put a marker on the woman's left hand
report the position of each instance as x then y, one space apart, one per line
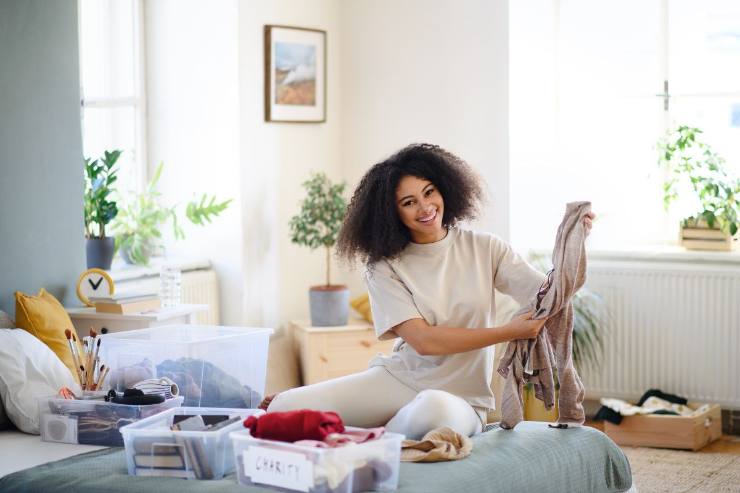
588 221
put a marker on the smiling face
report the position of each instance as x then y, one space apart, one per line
421 208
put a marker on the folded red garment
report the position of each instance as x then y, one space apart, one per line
291 426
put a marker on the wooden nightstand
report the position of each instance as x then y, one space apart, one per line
103 323
330 352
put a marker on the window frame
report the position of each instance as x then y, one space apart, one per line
137 102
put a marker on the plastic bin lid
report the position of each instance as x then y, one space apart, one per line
185 333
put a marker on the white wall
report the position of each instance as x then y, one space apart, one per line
433 71
205 89
275 159
193 127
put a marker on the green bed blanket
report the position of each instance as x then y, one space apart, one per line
530 458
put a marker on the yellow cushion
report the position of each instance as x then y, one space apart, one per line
45 318
361 304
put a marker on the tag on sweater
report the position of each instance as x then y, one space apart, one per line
278 468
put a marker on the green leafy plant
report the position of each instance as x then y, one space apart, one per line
100 209
693 162
322 211
139 224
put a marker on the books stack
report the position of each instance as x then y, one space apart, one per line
128 302
185 456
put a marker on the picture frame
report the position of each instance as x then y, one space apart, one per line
295 74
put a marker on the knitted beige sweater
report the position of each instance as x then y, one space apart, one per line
533 360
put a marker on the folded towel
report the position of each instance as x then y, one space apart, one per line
440 444
291 426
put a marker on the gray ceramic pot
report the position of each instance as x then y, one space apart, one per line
329 305
100 252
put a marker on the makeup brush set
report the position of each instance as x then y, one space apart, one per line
90 372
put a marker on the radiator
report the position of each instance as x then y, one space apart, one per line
674 326
198 286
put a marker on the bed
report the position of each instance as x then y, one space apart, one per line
530 458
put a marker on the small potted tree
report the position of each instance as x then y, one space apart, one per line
317 225
100 176
693 165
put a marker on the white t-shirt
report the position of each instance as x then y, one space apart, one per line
451 283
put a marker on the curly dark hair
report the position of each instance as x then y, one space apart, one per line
372 229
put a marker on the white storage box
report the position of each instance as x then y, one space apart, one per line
94 421
284 466
212 366
152 449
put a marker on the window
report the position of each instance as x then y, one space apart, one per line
112 80
587 89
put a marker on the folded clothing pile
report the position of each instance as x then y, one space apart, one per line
653 401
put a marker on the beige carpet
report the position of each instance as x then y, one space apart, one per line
675 471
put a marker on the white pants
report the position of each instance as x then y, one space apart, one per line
375 398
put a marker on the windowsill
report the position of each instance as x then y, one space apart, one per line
658 253
121 271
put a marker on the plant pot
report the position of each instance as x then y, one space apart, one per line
329 305
99 252
697 235
534 409
147 252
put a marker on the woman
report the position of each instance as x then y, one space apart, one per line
431 285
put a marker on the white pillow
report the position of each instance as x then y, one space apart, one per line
29 370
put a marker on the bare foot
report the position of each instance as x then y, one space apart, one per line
266 402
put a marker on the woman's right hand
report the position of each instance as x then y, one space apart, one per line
523 327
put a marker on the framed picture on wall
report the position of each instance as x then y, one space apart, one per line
295 74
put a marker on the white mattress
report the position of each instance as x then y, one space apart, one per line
20 450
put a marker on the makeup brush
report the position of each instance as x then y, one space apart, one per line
99 381
90 361
101 378
96 360
68 334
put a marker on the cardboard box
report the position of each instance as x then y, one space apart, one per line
664 431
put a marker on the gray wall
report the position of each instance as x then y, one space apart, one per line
41 174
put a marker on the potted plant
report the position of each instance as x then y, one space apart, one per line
693 165
140 220
100 175
317 225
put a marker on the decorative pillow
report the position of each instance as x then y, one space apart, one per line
361 304
44 317
28 370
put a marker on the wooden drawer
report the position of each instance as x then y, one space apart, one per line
330 352
663 431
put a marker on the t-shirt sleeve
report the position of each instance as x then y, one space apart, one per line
391 301
513 275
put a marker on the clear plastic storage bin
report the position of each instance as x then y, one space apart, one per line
152 449
212 366
285 466
92 421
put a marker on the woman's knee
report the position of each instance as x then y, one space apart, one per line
436 408
291 400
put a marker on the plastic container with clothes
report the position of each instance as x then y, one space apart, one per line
212 366
350 468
